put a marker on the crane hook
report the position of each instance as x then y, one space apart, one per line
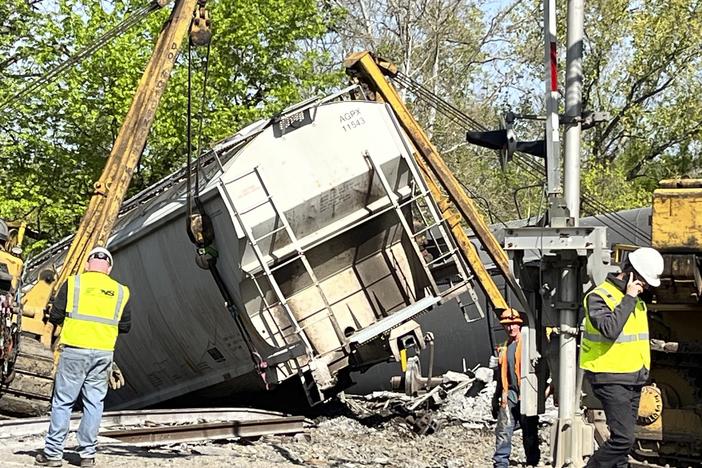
200 33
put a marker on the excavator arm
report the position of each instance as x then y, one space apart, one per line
27 386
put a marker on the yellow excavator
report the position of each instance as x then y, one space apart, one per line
669 426
26 359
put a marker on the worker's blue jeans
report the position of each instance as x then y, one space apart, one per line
81 372
508 420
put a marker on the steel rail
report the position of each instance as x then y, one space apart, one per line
21 427
213 430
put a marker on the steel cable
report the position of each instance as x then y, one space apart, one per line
615 218
96 45
466 121
530 166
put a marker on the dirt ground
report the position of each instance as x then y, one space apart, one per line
345 437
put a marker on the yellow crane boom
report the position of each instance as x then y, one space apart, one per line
111 187
455 205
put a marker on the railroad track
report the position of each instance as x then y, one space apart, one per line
215 430
179 425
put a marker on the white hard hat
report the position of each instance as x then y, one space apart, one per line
101 253
648 263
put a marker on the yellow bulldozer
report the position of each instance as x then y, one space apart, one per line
669 427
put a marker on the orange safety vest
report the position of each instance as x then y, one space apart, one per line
502 359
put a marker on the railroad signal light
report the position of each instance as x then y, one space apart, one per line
505 141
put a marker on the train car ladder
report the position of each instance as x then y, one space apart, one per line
268 270
429 225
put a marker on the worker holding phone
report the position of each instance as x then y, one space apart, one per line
615 351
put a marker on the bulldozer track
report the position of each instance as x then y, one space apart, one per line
29 391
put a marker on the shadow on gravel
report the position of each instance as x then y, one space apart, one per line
335 408
143 452
73 458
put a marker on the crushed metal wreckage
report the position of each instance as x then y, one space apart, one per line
459 396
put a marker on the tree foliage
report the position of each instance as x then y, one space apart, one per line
53 143
642 63
449 47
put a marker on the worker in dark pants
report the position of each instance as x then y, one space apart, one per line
505 402
92 307
615 351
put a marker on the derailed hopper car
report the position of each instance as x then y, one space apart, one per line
320 220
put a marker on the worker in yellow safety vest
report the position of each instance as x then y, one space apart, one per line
615 350
93 309
506 407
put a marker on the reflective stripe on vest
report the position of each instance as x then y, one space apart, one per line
630 351
75 313
622 338
94 307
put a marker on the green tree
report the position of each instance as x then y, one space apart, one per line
642 63
448 46
54 143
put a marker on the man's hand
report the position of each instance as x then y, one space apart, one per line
634 287
116 379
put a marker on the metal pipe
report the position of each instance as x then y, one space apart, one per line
573 106
569 388
553 160
567 358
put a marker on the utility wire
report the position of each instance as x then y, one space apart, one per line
96 45
454 114
459 116
463 119
615 219
614 224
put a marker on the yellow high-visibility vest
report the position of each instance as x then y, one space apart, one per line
629 352
93 310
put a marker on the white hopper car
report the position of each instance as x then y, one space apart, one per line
320 222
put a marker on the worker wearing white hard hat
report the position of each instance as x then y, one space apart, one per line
615 351
93 310
101 253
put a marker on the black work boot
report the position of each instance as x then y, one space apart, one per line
43 460
87 462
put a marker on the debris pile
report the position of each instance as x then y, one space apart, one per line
464 398
376 430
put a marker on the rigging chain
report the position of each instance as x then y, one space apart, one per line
198 224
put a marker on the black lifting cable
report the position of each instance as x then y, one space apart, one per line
457 115
460 117
198 151
256 358
93 47
617 220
